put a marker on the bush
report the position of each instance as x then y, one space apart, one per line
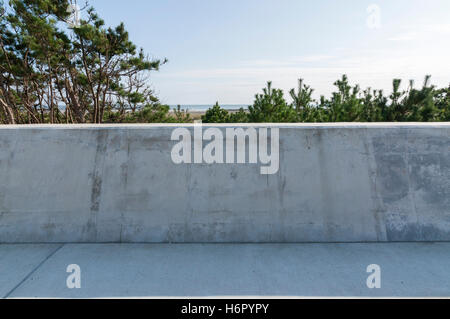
347 104
240 116
216 114
271 107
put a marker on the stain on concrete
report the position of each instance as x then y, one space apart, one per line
393 177
97 181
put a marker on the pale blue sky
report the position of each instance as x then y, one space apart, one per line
226 50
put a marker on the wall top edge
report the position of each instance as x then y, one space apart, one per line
279 125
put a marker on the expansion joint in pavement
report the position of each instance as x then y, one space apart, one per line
33 271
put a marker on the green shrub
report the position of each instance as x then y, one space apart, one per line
271 107
216 114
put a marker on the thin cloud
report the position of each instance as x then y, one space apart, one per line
293 61
410 36
423 31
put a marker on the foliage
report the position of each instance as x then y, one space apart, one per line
302 102
216 115
179 116
240 116
51 73
271 107
347 104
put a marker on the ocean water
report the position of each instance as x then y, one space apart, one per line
191 107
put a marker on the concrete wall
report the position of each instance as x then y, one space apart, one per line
336 183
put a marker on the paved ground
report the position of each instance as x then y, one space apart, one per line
414 270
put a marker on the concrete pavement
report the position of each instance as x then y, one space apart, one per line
196 270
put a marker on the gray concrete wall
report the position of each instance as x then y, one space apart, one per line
336 183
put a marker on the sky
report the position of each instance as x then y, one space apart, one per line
227 50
